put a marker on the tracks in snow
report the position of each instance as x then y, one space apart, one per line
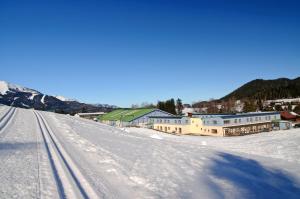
69 180
5 119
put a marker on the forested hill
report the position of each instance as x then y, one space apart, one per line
267 89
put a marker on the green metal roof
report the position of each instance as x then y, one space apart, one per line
126 115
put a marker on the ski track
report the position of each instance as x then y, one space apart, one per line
70 182
47 155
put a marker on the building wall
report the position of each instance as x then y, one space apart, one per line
145 121
238 120
192 126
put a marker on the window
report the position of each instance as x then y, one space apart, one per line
186 121
226 121
175 121
256 118
215 122
179 130
179 121
235 120
168 128
215 131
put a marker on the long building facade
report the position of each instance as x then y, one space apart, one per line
216 124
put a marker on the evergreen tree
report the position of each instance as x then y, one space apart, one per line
168 106
249 106
179 106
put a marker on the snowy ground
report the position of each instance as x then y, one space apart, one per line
47 155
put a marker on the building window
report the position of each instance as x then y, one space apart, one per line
215 122
179 130
168 128
226 121
175 121
179 121
235 120
186 121
240 120
215 131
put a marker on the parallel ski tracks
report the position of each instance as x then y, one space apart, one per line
5 120
69 180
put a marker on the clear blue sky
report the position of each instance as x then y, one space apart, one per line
125 52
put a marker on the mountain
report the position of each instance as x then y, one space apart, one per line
267 89
19 96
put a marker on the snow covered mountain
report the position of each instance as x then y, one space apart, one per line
19 96
64 99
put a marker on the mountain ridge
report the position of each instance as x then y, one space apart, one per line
267 89
23 97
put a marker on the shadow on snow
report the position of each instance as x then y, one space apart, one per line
17 146
251 179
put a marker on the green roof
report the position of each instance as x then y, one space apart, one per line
126 115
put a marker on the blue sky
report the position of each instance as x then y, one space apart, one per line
127 52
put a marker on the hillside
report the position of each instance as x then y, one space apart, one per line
267 89
22 97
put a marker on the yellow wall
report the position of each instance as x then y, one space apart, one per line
195 127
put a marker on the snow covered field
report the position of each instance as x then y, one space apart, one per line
47 155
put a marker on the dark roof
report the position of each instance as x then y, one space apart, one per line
167 117
249 115
215 114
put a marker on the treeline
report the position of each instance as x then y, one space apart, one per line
169 106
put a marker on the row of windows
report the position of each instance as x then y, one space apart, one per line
250 119
166 121
168 129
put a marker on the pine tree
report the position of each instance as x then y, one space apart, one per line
179 106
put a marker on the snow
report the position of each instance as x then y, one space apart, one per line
5 86
43 99
32 96
64 99
155 136
143 163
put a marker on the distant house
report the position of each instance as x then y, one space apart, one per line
216 124
91 116
131 117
